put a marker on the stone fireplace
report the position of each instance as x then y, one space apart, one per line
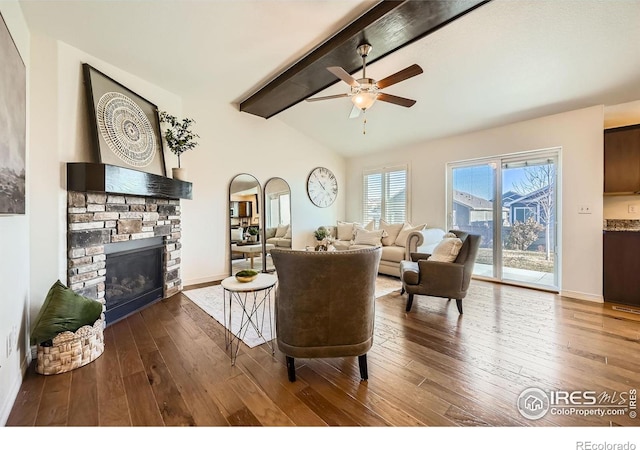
123 248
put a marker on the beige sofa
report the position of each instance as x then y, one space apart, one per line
392 253
278 236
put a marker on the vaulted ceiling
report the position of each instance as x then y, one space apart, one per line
504 62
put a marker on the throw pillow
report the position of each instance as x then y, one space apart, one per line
364 237
392 231
287 235
371 226
448 248
346 230
281 231
270 233
401 240
63 310
236 234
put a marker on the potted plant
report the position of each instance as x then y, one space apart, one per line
321 234
179 138
253 234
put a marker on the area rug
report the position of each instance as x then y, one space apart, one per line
210 300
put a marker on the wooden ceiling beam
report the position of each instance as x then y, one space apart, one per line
388 26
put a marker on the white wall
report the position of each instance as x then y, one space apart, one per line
578 133
14 253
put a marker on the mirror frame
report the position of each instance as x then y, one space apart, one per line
264 219
259 199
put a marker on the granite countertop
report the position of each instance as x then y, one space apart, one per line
621 225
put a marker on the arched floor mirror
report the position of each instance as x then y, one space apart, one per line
246 249
276 218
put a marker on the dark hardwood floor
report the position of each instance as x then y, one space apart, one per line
167 365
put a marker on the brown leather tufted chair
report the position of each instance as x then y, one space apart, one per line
325 304
441 279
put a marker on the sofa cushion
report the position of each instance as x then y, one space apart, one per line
371 226
287 235
393 253
364 237
283 242
346 230
401 240
447 250
281 231
63 310
342 245
392 230
236 234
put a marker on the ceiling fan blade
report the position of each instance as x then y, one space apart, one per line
407 102
355 112
326 98
397 77
343 75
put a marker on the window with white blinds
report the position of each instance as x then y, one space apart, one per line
385 195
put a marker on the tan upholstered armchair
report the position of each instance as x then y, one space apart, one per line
441 279
325 304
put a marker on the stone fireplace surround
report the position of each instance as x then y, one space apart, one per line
96 219
110 205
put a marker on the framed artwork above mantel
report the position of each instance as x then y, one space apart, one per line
125 127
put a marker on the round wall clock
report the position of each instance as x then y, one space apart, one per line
322 187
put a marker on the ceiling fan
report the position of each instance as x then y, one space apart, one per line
365 91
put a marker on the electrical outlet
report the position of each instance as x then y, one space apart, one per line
584 209
12 340
633 209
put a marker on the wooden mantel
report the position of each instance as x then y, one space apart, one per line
96 177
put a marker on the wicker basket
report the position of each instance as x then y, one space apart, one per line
71 350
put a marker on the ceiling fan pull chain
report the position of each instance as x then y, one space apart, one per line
364 126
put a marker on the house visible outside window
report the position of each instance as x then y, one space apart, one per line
522 213
385 195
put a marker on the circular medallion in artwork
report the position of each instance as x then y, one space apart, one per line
126 129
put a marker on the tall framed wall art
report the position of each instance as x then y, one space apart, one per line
125 127
13 125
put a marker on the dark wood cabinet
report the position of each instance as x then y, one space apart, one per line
622 267
622 160
240 209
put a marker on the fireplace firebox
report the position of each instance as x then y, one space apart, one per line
134 276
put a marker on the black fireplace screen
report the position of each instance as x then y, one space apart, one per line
133 280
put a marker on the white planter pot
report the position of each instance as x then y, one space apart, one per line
179 174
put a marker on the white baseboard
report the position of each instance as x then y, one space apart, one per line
582 296
209 279
13 392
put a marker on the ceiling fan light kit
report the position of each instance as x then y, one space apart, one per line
365 91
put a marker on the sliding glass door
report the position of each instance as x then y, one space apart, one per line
511 202
471 209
